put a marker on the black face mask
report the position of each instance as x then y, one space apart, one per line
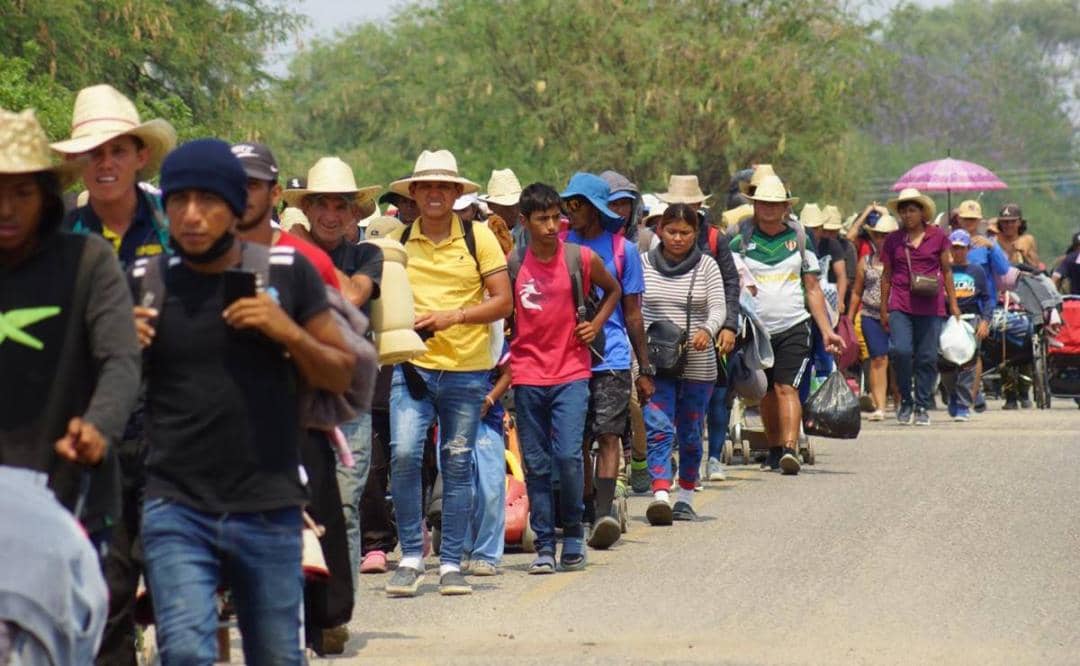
216 251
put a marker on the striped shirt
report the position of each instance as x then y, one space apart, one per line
665 298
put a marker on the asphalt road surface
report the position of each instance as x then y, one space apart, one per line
954 544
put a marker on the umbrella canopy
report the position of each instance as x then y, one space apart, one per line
949 175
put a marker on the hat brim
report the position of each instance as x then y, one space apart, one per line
620 195
600 205
502 199
792 201
295 197
157 135
672 199
928 205
402 186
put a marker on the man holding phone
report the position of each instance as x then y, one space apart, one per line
223 490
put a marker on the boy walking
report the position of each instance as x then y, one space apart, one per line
551 368
976 306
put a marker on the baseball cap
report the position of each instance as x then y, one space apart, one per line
1010 211
296 183
258 161
969 209
960 237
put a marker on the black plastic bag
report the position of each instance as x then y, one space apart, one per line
833 410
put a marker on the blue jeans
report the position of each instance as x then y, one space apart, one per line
677 409
189 552
913 350
718 419
351 482
454 399
486 536
551 423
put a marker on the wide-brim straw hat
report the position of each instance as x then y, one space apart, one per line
383 226
294 217
886 224
103 113
732 218
912 194
24 148
434 166
834 220
760 173
330 175
683 189
772 190
503 188
811 216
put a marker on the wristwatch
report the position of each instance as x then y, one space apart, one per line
647 370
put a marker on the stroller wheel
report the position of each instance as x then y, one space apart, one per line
728 452
746 453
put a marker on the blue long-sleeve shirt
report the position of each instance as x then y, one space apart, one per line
994 264
972 290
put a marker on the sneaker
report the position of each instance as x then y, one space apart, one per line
715 470
789 462
1010 404
453 583
640 481
922 417
333 641
961 414
980 404
683 511
482 568
904 414
466 565
659 513
876 415
373 563
772 461
1025 403
605 533
404 583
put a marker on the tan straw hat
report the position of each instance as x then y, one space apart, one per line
761 172
294 217
912 194
330 175
683 189
503 188
438 166
102 113
771 190
382 227
886 224
730 219
969 209
811 216
834 221
24 148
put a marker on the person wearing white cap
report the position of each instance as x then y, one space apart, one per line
115 150
467 207
451 266
788 299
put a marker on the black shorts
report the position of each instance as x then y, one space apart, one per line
609 403
791 349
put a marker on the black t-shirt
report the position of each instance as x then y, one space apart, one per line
837 249
363 258
223 423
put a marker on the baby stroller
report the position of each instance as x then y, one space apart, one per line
1063 353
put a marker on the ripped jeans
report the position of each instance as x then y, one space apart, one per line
454 400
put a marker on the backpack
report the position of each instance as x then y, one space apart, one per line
618 252
589 303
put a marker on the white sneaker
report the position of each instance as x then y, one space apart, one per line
715 470
876 415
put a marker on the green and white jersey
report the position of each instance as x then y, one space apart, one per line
778 268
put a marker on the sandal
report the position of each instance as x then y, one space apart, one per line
573 554
543 564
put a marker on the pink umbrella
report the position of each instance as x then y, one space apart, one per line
949 175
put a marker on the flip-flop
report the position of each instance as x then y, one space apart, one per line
543 564
573 554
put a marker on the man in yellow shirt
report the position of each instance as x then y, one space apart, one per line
451 266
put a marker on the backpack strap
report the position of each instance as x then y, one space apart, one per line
257 259
514 262
800 239
712 236
150 272
572 256
161 223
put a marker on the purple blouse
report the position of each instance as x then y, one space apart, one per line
925 259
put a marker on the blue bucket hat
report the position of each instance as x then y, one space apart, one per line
596 191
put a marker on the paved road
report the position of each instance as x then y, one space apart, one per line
958 543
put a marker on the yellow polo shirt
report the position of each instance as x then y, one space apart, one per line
443 277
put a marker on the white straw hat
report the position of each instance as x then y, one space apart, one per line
330 175
811 216
24 148
886 224
503 188
102 113
912 194
772 190
683 189
438 166
834 220
294 217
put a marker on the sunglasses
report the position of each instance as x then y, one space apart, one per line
575 204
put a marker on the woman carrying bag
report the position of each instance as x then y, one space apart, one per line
915 281
683 308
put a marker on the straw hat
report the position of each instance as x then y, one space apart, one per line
503 188
24 148
294 217
655 211
811 216
102 113
761 172
730 219
771 190
912 194
382 227
969 209
683 190
886 224
439 166
834 221
330 175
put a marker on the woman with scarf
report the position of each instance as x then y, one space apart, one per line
684 293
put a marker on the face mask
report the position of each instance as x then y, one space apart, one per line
216 251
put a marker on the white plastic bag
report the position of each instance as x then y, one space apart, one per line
957 342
